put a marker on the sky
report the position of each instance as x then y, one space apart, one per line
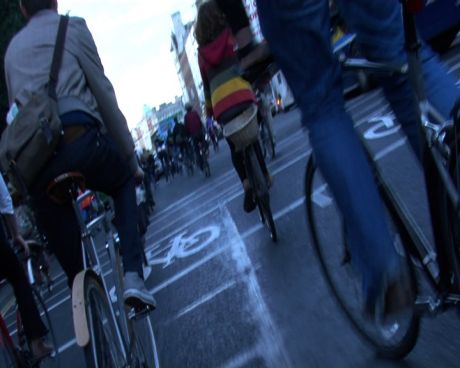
133 38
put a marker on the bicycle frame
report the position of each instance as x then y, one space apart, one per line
91 261
433 131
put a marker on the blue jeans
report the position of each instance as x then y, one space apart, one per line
97 157
298 32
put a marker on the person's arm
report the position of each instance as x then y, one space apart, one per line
6 209
206 88
104 93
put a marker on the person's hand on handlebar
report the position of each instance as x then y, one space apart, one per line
20 244
138 175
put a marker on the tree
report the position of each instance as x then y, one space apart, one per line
11 22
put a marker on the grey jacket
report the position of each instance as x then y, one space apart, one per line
82 84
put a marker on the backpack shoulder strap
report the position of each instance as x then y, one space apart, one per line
57 55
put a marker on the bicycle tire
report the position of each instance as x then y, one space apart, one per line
260 188
264 206
390 340
103 349
206 169
9 356
449 215
144 349
268 145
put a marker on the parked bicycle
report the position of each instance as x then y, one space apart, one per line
244 133
111 335
395 337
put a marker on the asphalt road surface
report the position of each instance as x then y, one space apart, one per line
230 297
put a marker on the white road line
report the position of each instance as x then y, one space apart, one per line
189 269
389 149
67 345
271 343
205 298
242 359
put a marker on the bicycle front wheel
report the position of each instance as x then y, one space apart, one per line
392 337
144 349
104 349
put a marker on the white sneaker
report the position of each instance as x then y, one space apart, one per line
136 294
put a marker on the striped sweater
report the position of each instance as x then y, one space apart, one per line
223 86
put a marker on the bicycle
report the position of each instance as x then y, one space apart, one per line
16 352
203 151
266 138
188 157
396 337
265 119
243 131
111 335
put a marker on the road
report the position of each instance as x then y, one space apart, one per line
230 297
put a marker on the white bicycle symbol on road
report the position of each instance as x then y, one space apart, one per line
182 246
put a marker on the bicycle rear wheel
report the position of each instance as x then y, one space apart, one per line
268 144
392 339
206 169
260 188
144 349
267 216
104 348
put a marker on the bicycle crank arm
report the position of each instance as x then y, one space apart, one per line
435 305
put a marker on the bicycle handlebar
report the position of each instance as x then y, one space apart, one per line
364 64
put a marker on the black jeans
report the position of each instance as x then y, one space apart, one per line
11 269
97 157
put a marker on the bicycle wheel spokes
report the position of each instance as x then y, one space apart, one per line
144 350
392 338
104 349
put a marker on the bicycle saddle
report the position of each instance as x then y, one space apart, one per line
65 187
261 73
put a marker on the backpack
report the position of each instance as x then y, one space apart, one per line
30 140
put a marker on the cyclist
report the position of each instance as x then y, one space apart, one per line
194 129
96 139
227 94
299 37
12 270
179 137
212 132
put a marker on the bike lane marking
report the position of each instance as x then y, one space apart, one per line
232 251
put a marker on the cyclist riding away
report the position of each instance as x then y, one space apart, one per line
96 139
195 130
227 94
12 270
